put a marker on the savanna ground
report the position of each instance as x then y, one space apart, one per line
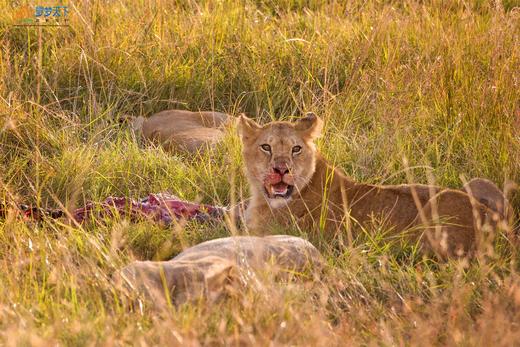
435 82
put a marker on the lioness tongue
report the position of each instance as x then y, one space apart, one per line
280 187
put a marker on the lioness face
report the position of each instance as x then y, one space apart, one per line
280 157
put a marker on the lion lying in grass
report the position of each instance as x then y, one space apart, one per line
209 269
291 183
179 130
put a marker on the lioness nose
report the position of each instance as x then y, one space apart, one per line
281 169
281 165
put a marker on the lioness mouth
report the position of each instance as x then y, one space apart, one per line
279 190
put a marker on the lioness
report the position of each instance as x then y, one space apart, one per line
291 182
205 270
180 130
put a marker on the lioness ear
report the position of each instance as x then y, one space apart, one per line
247 128
310 125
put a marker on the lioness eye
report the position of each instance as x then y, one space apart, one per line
266 148
297 149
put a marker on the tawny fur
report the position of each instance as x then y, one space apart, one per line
208 269
179 130
490 195
326 199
